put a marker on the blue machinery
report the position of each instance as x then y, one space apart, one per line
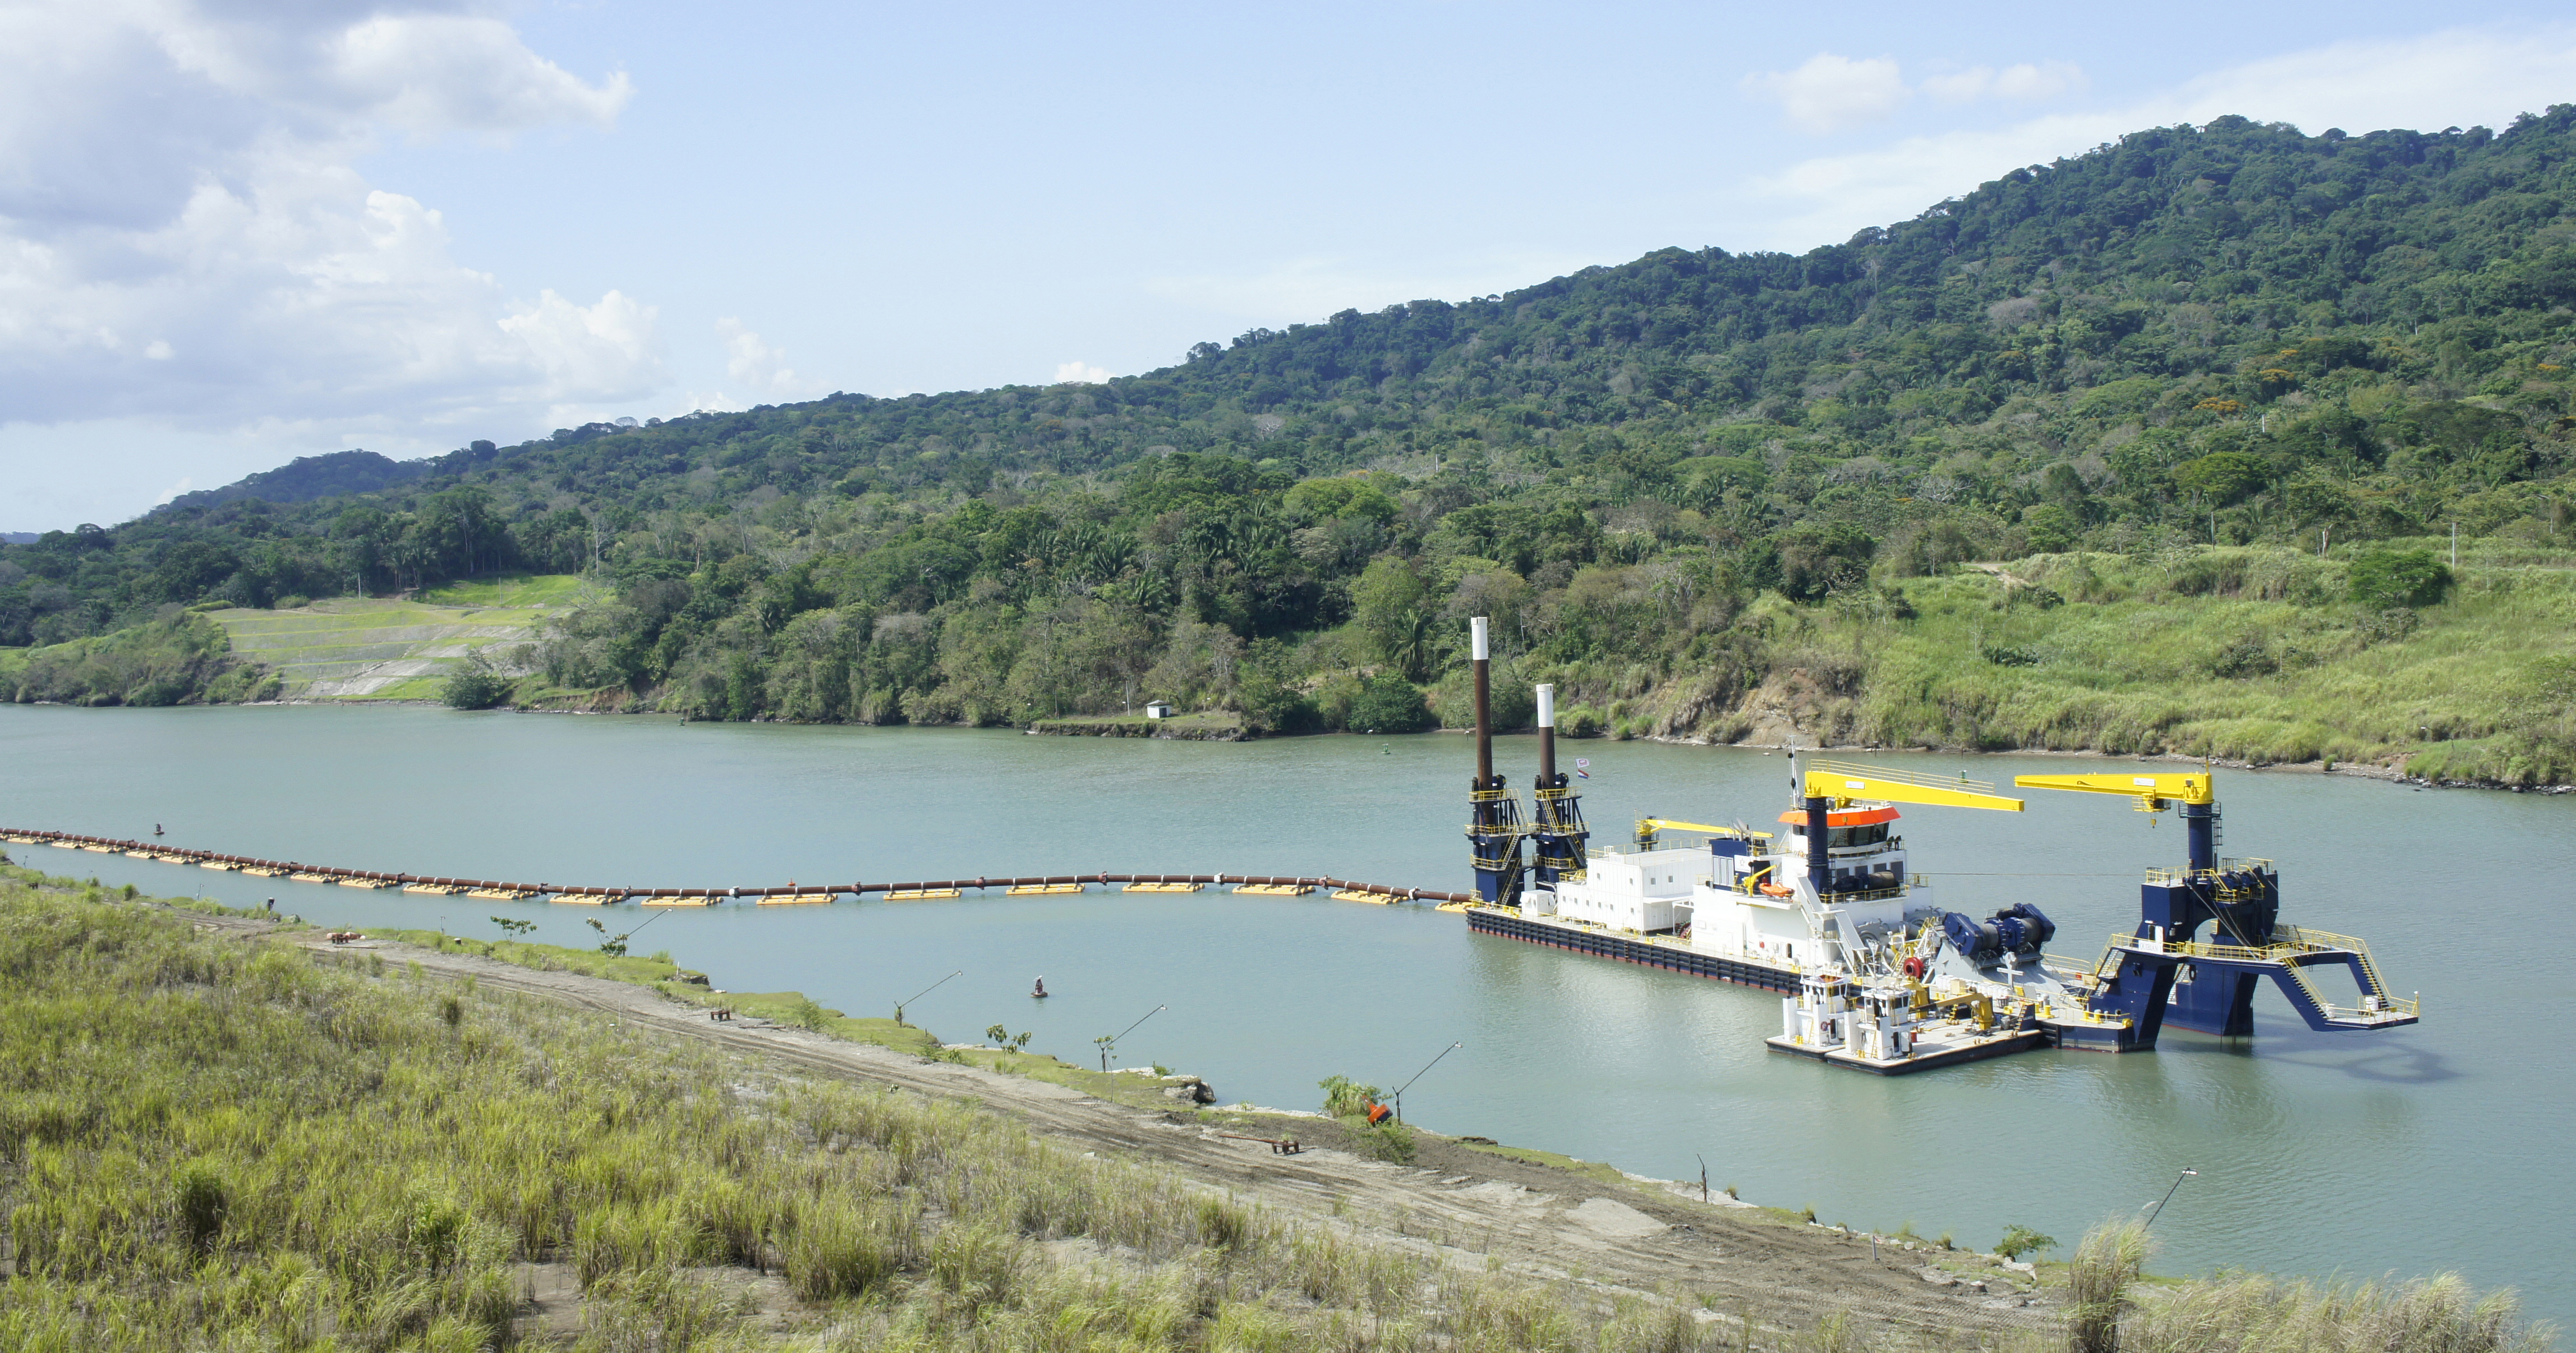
2165 973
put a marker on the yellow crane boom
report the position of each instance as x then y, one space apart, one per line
1844 782
2154 793
1648 826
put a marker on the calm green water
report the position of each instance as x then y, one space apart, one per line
2439 1146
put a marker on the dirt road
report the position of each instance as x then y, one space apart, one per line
1457 1204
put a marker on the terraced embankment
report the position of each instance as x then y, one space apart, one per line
350 648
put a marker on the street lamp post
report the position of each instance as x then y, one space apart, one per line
899 1005
1426 1070
1109 1044
2159 1209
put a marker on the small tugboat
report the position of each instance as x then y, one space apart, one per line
1871 973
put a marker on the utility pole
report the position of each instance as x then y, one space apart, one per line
1109 1042
2159 1209
899 1005
1426 1070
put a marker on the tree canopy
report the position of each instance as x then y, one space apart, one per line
2227 334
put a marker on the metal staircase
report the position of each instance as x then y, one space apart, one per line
2286 961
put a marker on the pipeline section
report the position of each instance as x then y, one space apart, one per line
816 892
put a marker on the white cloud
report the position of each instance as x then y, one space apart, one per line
588 353
2458 78
434 72
2027 81
184 236
754 363
1830 92
1079 373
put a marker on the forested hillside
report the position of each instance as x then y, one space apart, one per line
1670 481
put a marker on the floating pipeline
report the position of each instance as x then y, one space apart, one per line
502 890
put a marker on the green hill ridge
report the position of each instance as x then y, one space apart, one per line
2183 363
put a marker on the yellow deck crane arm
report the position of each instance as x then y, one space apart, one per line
1843 782
1647 826
2154 793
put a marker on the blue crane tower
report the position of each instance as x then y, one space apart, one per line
2166 973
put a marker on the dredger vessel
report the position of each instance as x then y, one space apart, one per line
1873 974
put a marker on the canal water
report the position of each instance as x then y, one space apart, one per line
2443 1146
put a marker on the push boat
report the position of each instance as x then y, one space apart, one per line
1872 974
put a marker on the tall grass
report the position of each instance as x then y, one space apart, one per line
2247 654
2255 1314
206 1144
214 1145
2107 1265
2110 1311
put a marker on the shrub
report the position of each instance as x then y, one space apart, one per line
2051 528
1344 1096
1390 1141
1388 703
2020 1240
2384 580
475 684
202 1201
1270 705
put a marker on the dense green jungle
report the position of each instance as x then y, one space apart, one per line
2224 440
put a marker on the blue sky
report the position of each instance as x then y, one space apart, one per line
231 234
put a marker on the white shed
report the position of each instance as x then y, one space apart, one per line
1158 709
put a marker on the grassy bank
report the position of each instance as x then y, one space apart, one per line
181 658
230 1146
796 1009
361 648
2253 655
1207 726
210 1143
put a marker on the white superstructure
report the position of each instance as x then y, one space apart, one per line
1743 894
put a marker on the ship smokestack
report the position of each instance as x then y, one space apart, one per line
1493 821
1820 860
1484 705
1556 826
1546 736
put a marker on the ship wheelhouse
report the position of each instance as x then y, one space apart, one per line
1864 851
